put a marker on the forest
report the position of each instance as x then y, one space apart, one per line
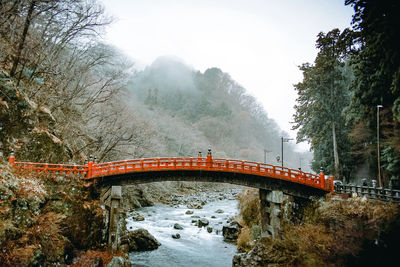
350 96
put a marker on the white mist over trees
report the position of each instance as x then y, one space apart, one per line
192 111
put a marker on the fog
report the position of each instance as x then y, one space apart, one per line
259 43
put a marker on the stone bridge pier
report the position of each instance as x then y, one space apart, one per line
111 198
270 210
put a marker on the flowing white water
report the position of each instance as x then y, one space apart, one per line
196 247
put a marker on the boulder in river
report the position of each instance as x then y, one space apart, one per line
231 231
189 212
116 262
195 206
140 240
219 211
202 222
209 229
177 226
176 236
137 217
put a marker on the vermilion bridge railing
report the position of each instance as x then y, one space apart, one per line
93 170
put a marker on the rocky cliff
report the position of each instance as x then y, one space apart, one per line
47 219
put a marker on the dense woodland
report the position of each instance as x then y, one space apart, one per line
66 95
355 71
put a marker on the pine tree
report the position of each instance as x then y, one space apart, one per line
323 94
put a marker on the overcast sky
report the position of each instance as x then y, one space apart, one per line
260 43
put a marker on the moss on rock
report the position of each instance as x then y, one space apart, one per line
45 217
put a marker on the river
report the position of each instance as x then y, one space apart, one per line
196 247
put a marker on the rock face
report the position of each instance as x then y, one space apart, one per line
140 240
34 202
136 196
231 231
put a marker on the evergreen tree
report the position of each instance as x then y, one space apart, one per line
323 94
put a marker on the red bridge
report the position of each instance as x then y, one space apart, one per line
253 174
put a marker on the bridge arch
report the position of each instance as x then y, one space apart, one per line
242 179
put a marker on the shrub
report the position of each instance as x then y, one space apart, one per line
244 240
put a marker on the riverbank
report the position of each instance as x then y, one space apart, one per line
336 231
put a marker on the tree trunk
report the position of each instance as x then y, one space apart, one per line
335 152
23 37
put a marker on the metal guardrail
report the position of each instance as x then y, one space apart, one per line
385 194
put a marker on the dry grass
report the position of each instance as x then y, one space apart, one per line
249 216
249 207
244 242
95 258
338 232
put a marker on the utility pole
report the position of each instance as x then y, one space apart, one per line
265 155
283 140
378 148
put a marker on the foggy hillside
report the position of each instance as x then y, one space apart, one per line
192 111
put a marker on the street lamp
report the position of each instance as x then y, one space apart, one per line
377 145
283 140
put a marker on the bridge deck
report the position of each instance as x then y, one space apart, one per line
94 171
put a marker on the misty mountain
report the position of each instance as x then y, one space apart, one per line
191 109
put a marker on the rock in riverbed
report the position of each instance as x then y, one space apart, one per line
231 231
116 262
177 226
140 240
202 222
195 206
176 236
137 217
